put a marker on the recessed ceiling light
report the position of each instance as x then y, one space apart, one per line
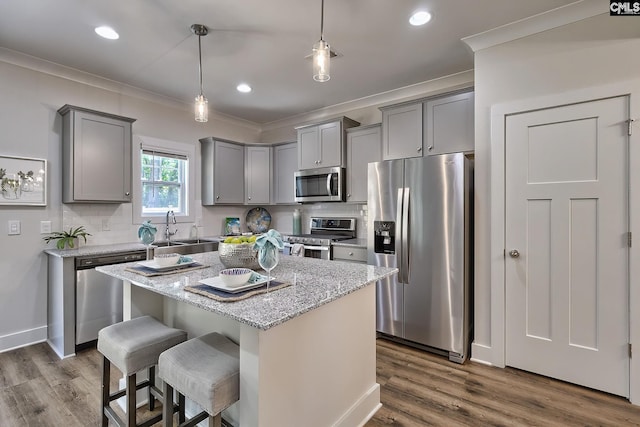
107 33
244 88
420 18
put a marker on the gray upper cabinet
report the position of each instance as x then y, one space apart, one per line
257 175
402 131
96 156
222 172
364 145
448 124
322 145
285 164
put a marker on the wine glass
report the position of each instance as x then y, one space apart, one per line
268 257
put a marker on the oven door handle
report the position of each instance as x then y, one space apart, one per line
312 248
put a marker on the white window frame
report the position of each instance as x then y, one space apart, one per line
181 149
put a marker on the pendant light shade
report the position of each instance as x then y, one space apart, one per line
321 54
202 109
321 61
201 105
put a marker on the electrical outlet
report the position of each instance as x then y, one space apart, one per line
105 225
14 227
45 227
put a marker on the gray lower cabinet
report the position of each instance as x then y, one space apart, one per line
350 253
285 164
363 146
448 124
96 156
257 175
222 172
402 131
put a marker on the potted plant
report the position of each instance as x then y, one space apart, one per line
67 238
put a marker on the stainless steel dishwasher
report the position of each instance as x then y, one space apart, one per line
98 296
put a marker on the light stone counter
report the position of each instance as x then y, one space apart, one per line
92 250
307 355
317 283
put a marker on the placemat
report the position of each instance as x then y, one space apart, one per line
146 271
223 296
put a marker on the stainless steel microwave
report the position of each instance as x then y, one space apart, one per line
320 185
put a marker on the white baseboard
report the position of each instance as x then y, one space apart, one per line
23 338
482 354
361 411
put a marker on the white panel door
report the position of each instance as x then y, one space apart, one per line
567 297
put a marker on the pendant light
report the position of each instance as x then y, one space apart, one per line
201 106
321 54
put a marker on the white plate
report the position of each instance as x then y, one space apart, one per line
217 283
152 264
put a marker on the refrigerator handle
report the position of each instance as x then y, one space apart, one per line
405 237
399 221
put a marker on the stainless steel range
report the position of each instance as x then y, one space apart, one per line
324 231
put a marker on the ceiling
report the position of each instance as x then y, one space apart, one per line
263 43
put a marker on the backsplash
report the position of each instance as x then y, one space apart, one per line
111 224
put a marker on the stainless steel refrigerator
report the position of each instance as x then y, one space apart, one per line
419 221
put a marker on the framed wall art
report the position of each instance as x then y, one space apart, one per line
23 181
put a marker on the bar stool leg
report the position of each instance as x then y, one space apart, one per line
131 400
106 378
215 420
167 407
181 416
152 383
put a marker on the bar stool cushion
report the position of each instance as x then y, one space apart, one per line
135 344
204 369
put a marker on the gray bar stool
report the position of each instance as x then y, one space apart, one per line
204 369
132 346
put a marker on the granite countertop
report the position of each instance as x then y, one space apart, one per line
90 250
318 282
359 243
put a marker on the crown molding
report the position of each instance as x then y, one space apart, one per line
444 84
51 68
554 18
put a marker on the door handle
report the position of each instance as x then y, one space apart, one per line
406 249
513 253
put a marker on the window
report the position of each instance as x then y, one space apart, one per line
164 186
164 178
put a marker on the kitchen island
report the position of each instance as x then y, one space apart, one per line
307 355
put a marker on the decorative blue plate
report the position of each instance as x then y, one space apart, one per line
258 220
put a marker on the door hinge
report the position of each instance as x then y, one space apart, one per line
629 238
629 350
630 125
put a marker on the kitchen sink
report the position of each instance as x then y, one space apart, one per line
184 247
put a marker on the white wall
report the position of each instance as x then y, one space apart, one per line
589 53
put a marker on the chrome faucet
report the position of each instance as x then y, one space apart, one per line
168 233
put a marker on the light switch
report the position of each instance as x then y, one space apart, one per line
14 227
45 227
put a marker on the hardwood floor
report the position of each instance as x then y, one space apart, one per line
417 389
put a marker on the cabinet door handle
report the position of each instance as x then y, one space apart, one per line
430 147
419 149
249 197
217 197
348 195
127 194
350 253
